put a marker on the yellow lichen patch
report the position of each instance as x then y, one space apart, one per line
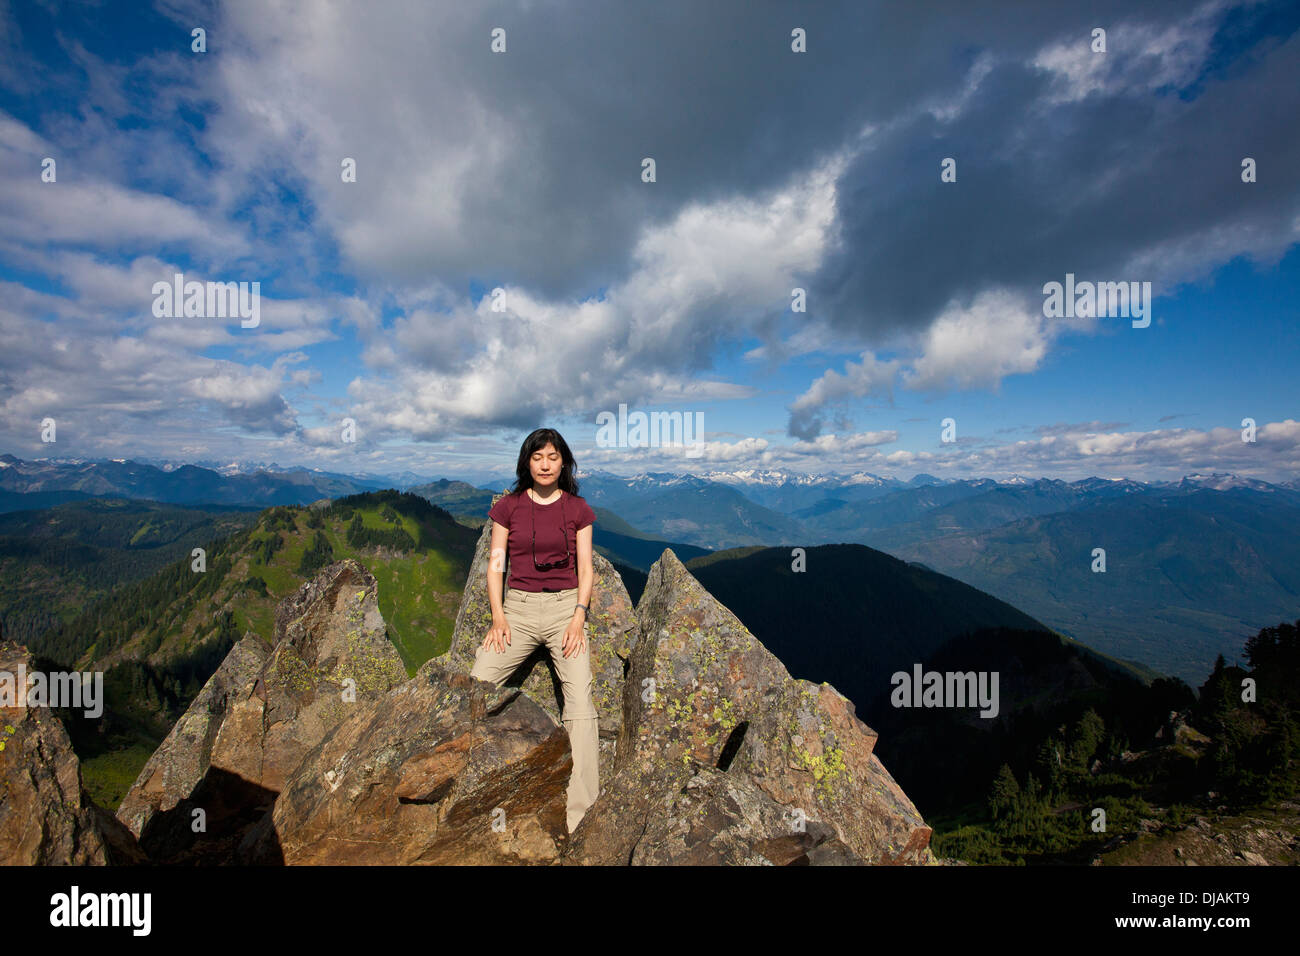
677 710
373 672
701 709
334 710
825 768
290 672
723 713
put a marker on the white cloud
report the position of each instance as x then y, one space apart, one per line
1139 58
644 341
999 334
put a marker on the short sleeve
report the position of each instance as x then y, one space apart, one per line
585 515
500 512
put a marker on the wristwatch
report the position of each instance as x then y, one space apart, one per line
585 610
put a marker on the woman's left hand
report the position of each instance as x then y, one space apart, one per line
575 636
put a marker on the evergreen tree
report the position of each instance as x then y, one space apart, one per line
317 555
1085 738
1048 761
1004 792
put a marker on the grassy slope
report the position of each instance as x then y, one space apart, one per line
419 592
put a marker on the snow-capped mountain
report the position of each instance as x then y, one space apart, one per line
1109 486
774 478
1223 481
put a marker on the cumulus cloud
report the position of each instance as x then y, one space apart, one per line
104 387
695 282
869 377
999 334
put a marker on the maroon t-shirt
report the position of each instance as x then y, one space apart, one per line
518 513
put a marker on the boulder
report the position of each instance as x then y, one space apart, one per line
258 715
443 769
715 818
182 759
47 818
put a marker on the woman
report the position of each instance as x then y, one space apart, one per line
548 597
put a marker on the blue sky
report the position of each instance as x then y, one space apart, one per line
775 169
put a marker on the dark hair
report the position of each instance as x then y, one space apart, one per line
535 442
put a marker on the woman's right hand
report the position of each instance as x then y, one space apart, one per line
498 636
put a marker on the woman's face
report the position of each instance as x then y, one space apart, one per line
545 465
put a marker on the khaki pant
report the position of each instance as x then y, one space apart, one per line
540 617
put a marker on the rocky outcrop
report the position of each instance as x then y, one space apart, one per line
182 760
259 714
46 816
444 769
330 652
714 818
1255 837
702 692
711 752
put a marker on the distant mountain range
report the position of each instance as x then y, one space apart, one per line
49 482
232 468
1190 572
787 494
1194 566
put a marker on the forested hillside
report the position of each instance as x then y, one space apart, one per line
159 639
1154 758
54 562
